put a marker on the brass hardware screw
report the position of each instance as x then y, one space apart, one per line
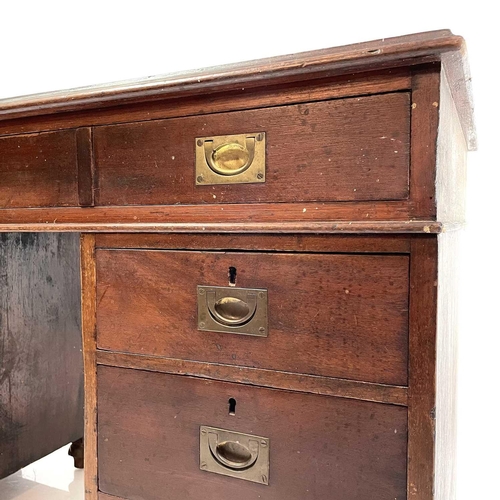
259 137
200 143
202 325
261 295
203 465
264 478
263 443
260 175
203 431
201 291
262 329
200 178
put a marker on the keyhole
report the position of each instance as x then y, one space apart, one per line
232 276
232 406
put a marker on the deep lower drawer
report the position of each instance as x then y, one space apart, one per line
327 314
340 150
316 447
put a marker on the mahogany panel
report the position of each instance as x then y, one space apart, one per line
148 443
338 150
39 170
329 314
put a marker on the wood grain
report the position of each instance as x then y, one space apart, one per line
88 276
331 315
451 160
379 243
424 126
379 54
313 384
339 150
422 368
149 423
320 89
446 369
41 372
86 167
38 170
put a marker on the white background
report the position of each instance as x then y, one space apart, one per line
49 45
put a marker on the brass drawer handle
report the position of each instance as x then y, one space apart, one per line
232 310
234 454
231 158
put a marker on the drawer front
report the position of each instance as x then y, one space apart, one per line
327 314
338 150
38 170
319 447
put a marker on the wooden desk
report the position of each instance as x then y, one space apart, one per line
267 268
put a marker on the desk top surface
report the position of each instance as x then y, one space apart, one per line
395 52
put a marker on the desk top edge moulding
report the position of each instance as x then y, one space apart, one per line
76 195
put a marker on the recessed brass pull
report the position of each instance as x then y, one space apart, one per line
231 159
233 310
234 454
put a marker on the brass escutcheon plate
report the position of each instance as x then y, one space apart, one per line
231 159
232 310
234 454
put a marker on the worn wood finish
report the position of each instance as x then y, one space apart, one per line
325 386
422 368
38 170
264 242
85 156
332 315
343 150
88 278
451 160
149 423
446 369
388 53
424 124
41 379
321 89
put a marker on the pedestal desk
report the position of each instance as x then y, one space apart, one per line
267 262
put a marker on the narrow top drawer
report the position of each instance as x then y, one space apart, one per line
350 149
39 170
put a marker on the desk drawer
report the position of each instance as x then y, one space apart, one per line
327 314
38 170
339 150
326 447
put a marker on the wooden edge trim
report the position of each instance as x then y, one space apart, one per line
88 276
259 377
333 227
85 166
406 50
422 368
425 97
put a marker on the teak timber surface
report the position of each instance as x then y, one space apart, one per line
149 423
391 52
346 315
